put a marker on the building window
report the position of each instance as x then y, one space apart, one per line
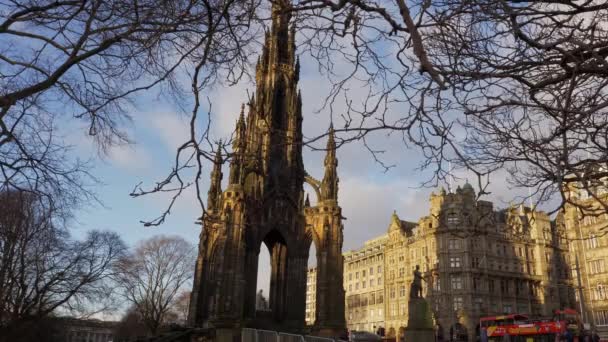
437 284
491 285
599 292
504 286
356 286
357 275
597 266
475 262
371 271
363 284
402 291
453 218
371 283
402 309
601 317
363 274
456 283
379 269
454 244
379 281
458 303
507 308
350 276
475 283
392 292
455 262
591 241
478 302
401 272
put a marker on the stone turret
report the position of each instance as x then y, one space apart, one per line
329 187
214 194
239 146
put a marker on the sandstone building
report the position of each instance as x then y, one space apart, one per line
476 261
311 296
586 223
364 285
264 204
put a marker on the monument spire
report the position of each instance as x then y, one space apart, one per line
215 188
238 147
329 187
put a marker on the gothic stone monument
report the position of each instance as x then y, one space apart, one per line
420 319
264 204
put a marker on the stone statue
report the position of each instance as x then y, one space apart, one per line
260 303
416 287
420 326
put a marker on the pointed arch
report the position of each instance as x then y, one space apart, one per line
311 236
315 184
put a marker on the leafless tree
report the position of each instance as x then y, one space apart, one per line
64 64
153 276
487 86
181 307
43 270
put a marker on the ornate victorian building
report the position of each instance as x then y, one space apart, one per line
264 203
476 262
311 296
364 285
586 222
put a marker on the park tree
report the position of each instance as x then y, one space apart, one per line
181 307
153 276
45 272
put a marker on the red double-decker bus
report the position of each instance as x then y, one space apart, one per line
520 328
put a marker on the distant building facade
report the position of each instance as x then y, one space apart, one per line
364 286
311 296
476 261
586 222
85 330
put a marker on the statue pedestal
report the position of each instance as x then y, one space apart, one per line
420 322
